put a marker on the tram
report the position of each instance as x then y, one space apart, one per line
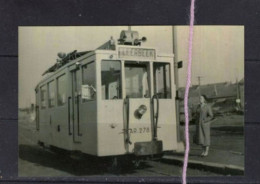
116 100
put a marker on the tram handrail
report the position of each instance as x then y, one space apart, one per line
155 115
37 118
78 119
69 99
126 103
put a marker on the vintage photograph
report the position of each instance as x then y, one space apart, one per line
108 101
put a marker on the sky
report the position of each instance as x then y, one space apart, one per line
218 51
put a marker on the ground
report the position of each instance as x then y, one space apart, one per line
227 133
37 161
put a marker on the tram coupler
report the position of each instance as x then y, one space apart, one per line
148 148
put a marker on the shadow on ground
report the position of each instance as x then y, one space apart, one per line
230 129
87 165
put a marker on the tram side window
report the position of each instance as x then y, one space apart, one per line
51 93
43 93
61 90
89 81
111 80
162 84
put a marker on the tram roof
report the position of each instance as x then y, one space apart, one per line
127 38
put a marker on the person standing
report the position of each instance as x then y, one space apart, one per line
205 117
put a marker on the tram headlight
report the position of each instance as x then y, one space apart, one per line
140 111
144 39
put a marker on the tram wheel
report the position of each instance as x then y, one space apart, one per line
137 163
114 162
114 166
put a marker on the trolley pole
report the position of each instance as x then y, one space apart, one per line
199 79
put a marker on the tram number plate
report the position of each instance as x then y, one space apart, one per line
139 130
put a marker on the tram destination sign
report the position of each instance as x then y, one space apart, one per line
136 53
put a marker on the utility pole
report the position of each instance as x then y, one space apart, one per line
238 100
216 91
199 79
176 78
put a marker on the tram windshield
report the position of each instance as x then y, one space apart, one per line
136 80
111 79
162 84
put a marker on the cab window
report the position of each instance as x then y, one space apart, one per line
61 90
137 79
51 93
88 82
162 84
111 80
43 93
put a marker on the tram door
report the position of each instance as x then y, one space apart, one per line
137 87
75 105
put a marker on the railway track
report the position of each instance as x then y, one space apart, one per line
45 161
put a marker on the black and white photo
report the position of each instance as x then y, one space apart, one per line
108 101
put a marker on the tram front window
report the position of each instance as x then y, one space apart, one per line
136 80
162 84
111 79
